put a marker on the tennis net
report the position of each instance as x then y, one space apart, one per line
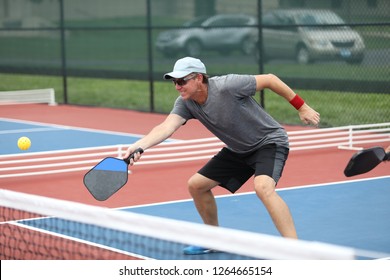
46 95
36 227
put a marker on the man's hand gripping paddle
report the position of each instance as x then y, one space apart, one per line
365 160
108 176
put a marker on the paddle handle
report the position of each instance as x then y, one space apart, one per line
127 160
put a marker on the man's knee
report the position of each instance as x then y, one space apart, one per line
192 183
264 187
198 183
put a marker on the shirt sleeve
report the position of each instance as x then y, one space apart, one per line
241 85
179 108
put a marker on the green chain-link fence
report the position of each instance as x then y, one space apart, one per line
335 53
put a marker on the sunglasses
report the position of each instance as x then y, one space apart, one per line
183 81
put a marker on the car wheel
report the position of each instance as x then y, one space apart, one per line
193 48
303 56
248 46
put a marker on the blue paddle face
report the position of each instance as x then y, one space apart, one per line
112 164
106 178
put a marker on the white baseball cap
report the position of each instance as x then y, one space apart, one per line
185 66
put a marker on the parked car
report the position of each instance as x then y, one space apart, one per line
223 33
284 36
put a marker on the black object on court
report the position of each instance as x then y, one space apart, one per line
364 161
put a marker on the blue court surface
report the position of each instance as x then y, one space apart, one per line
46 137
353 214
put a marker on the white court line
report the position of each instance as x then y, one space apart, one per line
34 123
77 128
28 130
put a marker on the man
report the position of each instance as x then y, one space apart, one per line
256 144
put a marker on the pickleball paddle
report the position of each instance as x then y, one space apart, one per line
364 161
108 176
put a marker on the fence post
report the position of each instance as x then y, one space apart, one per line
63 53
150 53
259 46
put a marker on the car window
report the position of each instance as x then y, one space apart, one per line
230 21
270 19
329 18
318 18
307 19
279 21
242 21
218 22
196 22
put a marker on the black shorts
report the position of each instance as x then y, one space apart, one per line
231 170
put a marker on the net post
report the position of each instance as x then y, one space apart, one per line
52 97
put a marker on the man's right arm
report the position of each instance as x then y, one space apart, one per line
158 134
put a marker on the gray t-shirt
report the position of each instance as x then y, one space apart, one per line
232 115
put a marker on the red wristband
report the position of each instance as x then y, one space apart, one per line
297 102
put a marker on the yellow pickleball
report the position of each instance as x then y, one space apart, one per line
24 143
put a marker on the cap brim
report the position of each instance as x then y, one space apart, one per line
176 75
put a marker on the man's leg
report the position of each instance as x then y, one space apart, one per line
277 208
200 189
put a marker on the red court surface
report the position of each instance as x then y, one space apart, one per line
160 183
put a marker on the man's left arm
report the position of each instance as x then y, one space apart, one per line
307 114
